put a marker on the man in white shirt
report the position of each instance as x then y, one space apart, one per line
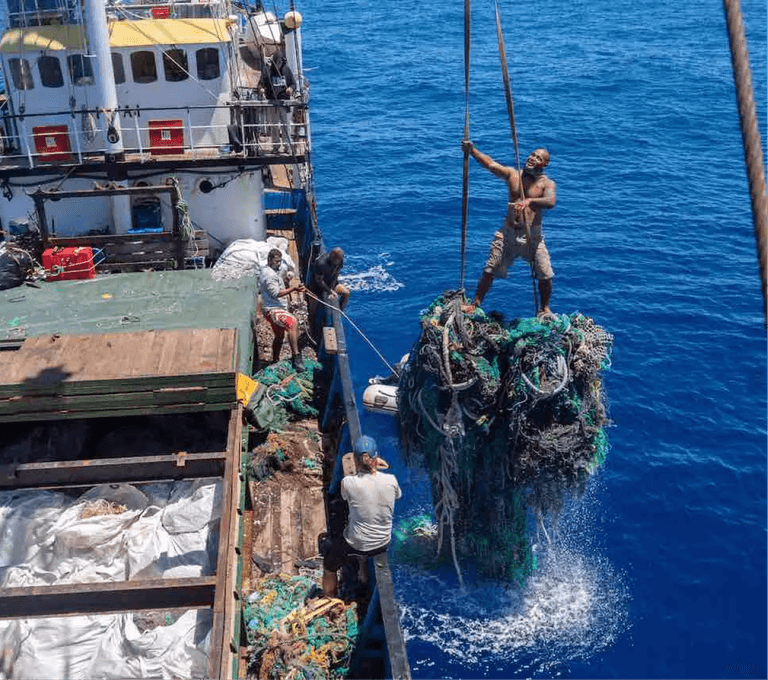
371 497
274 305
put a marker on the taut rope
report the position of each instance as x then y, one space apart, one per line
750 135
465 175
513 131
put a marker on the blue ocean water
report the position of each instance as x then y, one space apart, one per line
660 571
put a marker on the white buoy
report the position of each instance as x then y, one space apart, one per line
292 20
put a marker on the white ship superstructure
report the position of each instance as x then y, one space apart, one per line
151 118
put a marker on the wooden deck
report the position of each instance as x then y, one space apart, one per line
74 376
129 303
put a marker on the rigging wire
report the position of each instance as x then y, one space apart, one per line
750 136
465 168
363 335
513 132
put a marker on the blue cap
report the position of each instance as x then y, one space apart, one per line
366 445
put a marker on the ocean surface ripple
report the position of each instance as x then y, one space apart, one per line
660 571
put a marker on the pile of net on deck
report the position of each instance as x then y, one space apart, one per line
505 417
294 633
282 395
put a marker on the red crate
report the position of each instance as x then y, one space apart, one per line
166 137
65 264
52 142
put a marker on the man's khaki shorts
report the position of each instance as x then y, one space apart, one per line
508 244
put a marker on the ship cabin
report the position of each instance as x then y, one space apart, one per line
192 118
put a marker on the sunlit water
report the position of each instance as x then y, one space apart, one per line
665 574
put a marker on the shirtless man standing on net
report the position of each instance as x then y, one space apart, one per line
521 235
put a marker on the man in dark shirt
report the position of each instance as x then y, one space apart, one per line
324 279
277 81
278 84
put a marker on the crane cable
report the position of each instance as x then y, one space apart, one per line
750 135
465 176
513 131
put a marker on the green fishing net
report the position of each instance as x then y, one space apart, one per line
507 418
294 632
287 395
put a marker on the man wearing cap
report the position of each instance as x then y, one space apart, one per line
371 497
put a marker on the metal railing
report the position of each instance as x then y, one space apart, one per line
240 129
27 13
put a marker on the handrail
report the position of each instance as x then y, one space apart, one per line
257 128
130 111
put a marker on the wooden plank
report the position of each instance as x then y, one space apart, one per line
390 614
102 240
144 411
138 384
289 509
102 598
107 402
217 659
127 267
177 360
102 470
312 511
207 351
231 580
75 362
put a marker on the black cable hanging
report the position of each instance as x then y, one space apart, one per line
513 131
750 136
465 187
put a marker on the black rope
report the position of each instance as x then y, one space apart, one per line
465 176
513 131
508 92
750 136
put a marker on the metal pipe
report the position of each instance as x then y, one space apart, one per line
98 39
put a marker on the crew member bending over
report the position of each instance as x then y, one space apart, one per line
521 234
371 496
324 278
274 294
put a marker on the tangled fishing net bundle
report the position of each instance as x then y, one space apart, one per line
505 418
295 634
287 395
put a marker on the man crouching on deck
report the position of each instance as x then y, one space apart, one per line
371 496
275 307
521 235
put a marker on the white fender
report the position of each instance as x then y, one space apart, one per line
381 399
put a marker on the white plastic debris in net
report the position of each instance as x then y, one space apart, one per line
163 530
245 257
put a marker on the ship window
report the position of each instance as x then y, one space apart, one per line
80 69
143 67
117 68
208 63
175 65
21 74
50 71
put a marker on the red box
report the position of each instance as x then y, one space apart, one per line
52 142
166 137
64 264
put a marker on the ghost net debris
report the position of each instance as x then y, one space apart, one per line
505 418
